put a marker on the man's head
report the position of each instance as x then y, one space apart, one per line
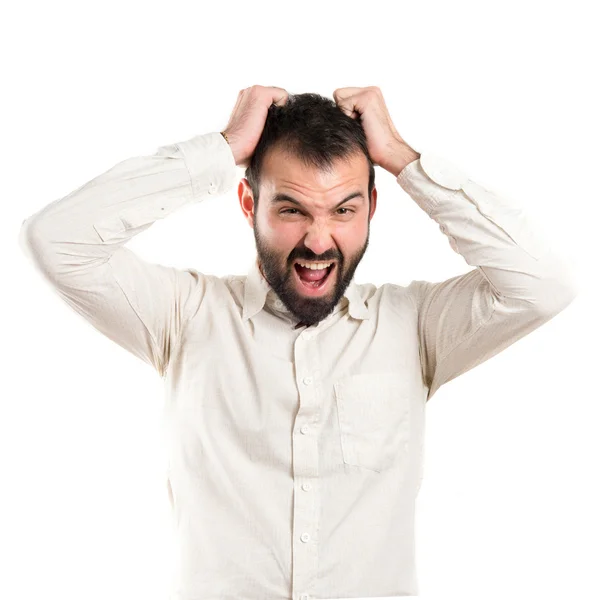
310 151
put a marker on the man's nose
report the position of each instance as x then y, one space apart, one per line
318 239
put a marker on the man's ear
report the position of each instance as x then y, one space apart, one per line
373 202
246 200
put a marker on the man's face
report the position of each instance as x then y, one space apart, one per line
315 229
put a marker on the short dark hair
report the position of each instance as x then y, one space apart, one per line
314 129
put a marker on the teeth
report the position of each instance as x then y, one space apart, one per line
314 266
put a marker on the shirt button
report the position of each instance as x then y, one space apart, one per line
306 486
305 537
212 188
304 428
307 380
304 597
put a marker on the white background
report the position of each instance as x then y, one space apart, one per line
506 91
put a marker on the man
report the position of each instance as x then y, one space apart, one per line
296 397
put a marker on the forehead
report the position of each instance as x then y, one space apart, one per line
283 171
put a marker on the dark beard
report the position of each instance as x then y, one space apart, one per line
308 311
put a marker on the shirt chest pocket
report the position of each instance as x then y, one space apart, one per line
374 419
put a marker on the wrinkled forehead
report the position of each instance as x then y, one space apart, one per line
284 170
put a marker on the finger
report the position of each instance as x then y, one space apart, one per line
348 106
343 93
349 99
347 110
279 95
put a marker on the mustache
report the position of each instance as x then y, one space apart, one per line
317 258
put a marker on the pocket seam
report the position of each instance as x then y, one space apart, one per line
348 438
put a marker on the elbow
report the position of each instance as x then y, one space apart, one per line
33 240
558 291
27 235
30 238
557 299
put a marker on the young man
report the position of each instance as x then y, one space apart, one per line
295 397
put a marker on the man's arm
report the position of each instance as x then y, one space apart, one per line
77 244
518 283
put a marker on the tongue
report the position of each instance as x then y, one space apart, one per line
311 274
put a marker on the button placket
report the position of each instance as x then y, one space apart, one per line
306 466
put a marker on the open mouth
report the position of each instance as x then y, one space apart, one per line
313 279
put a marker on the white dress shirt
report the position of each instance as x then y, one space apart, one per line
295 454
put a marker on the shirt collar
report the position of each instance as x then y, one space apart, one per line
258 292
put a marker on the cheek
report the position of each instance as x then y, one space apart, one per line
282 233
282 238
350 236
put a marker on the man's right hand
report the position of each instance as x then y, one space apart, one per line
248 118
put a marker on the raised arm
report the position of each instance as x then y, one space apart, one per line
518 283
77 243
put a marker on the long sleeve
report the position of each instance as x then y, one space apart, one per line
77 243
518 283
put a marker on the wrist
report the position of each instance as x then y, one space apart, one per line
233 148
401 156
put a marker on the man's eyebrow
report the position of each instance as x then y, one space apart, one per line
281 197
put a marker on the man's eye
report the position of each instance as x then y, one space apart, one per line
287 210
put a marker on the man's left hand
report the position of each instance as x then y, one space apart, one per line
386 147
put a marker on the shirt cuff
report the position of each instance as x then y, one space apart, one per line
210 163
435 184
